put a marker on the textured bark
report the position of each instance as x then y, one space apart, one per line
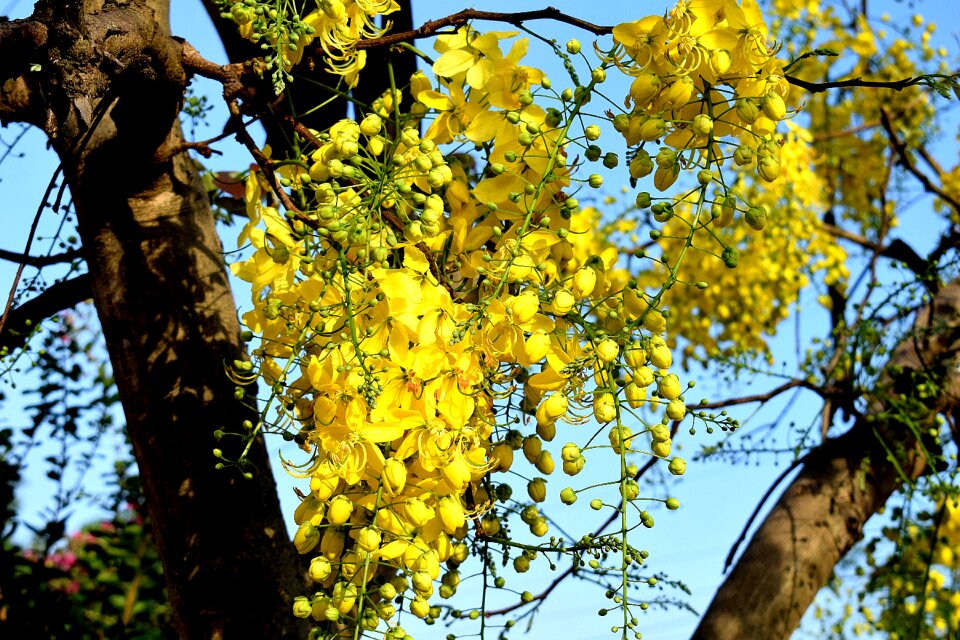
160 287
821 514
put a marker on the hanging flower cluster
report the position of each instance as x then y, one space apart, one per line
425 313
336 25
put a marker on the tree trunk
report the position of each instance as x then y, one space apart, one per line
821 514
161 291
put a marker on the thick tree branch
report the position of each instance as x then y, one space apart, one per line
842 483
19 42
23 319
462 17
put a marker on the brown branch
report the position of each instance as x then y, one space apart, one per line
820 87
26 250
462 17
896 250
265 164
202 147
231 76
758 397
19 39
55 298
900 147
821 514
40 261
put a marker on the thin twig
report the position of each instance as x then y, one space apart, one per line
759 397
462 17
901 148
820 87
26 250
573 567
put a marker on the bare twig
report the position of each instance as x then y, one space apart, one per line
462 17
758 397
40 261
26 250
266 166
820 87
901 149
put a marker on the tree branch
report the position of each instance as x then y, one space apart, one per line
821 515
18 40
900 147
462 17
758 397
897 250
820 87
40 261
23 319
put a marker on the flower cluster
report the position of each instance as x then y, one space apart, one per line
336 25
426 313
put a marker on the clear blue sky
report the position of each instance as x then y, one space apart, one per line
690 544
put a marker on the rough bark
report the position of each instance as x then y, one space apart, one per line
821 514
160 287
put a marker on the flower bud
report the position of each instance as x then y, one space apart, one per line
660 355
568 496
743 155
584 281
661 448
607 350
702 125
676 409
368 539
747 110
768 168
563 302
537 489
640 167
756 217
773 106
653 128
573 46
570 452
532 446
545 464
341 507
525 306
306 538
555 405
669 387
660 433
635 356
302 607
619 437
540 527
371 125
320 569
591 132
644 87
419 607
629 489
635 395
573 467
604 407
678 466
